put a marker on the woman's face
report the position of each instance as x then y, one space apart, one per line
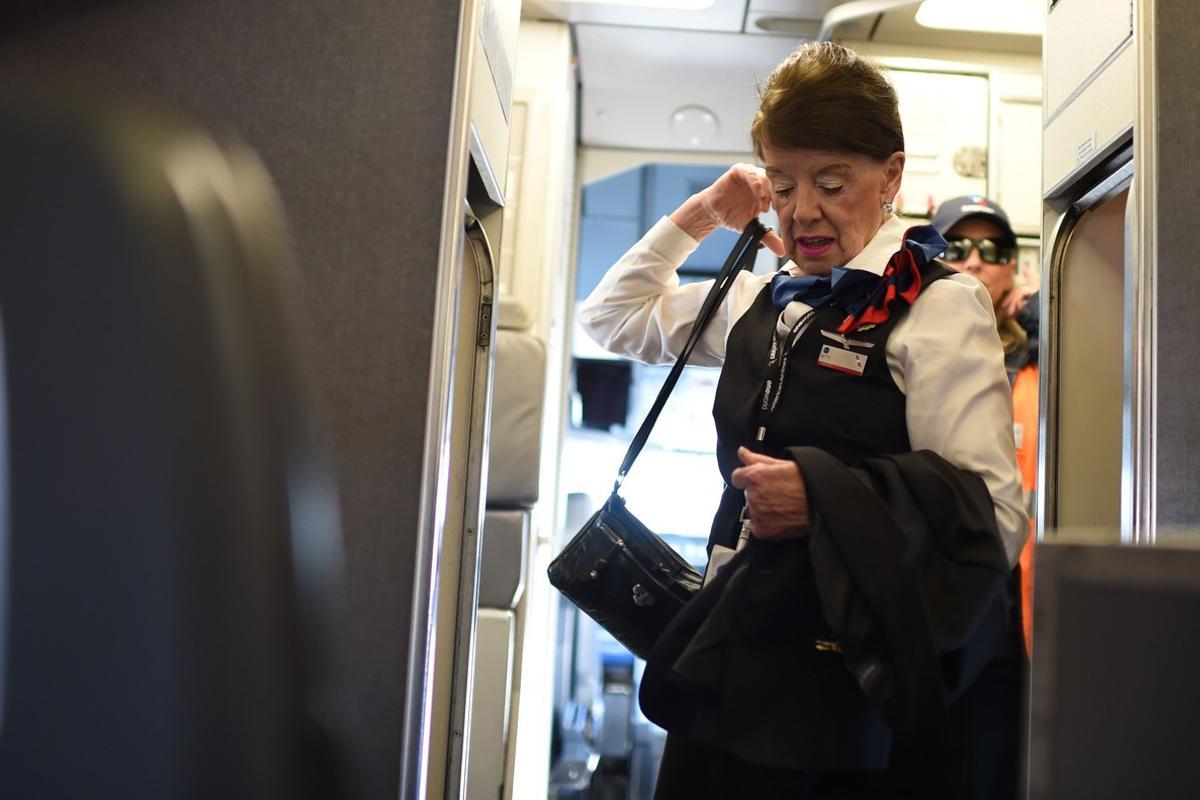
998 279
829 203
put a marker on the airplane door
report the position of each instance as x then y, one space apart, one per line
474 363
450 666
1086 363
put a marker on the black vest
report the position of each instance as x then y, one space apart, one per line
816 717
852 417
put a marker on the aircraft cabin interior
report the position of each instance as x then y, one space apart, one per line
302 395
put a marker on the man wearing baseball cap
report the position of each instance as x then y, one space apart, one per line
981 243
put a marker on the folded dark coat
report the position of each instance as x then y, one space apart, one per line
903 569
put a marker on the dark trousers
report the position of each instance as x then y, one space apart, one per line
691 771
983 764
987 725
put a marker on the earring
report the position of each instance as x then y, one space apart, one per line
888 207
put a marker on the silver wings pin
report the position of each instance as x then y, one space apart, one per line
846 341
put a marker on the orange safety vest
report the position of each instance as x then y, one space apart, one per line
1025 432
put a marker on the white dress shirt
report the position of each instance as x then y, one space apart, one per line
945 355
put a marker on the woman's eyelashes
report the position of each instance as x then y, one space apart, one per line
783 193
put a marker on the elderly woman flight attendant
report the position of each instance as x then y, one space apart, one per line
861 643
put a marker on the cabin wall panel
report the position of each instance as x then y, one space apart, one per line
348 103
1177 281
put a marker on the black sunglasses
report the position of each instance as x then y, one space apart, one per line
990 250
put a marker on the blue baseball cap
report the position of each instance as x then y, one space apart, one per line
972 206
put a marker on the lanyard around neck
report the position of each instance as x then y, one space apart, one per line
778 352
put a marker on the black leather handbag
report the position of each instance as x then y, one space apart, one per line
616 570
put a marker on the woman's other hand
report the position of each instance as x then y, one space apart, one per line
1015 300
737 197
775 495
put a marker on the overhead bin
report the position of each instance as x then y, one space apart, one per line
1090 87
491 76
1087 34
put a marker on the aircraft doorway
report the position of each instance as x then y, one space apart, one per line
602 745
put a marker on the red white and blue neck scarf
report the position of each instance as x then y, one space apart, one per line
866 298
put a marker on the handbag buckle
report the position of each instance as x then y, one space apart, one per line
641 597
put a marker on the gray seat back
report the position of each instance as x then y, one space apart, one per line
172 544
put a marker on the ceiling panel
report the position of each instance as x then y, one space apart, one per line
635 80
808 9
686 80
722 15
797 19
778 17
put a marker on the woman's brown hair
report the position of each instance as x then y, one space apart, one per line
826 96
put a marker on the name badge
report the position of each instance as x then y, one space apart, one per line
842 360
1018 435
721 556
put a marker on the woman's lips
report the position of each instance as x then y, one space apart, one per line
813 246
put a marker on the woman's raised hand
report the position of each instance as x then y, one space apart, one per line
737 197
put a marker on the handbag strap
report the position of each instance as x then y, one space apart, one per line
741 257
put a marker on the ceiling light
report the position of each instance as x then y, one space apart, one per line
694 126
681 5
990 16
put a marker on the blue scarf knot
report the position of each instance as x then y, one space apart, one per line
852 289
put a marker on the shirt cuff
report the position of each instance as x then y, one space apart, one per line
670 241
